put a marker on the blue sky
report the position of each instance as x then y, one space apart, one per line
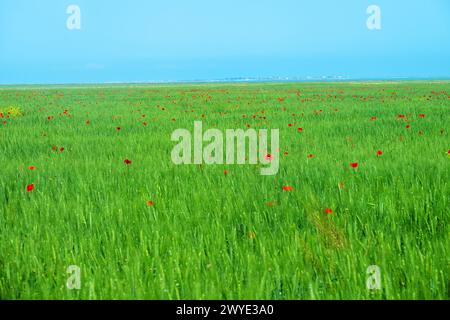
147 40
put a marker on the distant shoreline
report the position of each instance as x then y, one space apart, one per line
227 81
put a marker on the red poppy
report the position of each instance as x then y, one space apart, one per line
379 153
373 118
289 124
62 149
30 187
54 148
287 188
127 162
286 153
328 211
354 164
31 168
88 122
421 115
408 126
150 203
310 156
300 129
225 172
1 115
268 157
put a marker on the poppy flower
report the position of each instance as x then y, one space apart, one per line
144 123
1 115
328 211
54 148
287 188
310 156
379 153
225 172
289 124
286 153
150 203
300 129
268 157
62 149
88 122
30 187
31 168
373 118
421 115
127 162
354 164
408 126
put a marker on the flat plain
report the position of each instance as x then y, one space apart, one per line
87 179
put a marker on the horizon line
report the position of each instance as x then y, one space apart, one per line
274 79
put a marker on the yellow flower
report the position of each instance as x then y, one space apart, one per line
251 234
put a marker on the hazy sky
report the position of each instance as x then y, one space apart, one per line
144 40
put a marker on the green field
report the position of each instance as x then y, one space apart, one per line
154 230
